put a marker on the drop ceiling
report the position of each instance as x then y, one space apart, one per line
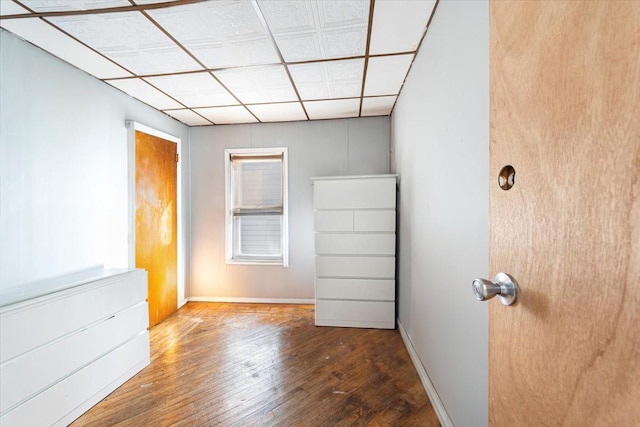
212 62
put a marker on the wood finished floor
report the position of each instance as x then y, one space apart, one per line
267 365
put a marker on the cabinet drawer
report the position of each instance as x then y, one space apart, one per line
355 244
58 401
375 220
333 220
36 370
356 289
366 314
369 193
357 267
57 317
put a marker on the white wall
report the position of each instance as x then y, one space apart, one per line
440 147
321 148
63 165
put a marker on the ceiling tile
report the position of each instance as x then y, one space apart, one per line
43 35
300 47
130 39
219 33
227 115
378 106
386 74
231 54
286 16
398 26
143 91
256 85
7 7
289 111
67 5
188 117
332 79
194 90
318 29
332 109
345 42
338 13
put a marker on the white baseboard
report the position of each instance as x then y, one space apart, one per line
182 302
255 300
437 404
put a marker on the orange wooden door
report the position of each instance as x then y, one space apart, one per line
156 222
565 113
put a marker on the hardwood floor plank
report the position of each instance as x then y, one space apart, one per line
267 365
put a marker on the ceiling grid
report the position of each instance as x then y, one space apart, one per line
366 59
213 62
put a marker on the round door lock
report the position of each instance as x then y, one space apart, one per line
503 286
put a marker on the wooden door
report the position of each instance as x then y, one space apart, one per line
156 222
565 113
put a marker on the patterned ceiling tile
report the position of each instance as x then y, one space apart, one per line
67 5
143 91
194 90
256 85
344 42
335 108
278 112
284 16
338 13
130 40
398 25
227 115
219 33
332 79
378 106
307 30
385 74
300 47
39 33
188 117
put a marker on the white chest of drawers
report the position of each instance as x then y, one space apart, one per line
355 243
64 346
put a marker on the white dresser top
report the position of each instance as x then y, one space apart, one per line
319 178
15 294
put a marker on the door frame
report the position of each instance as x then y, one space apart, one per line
132 127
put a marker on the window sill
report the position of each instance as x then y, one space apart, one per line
255 262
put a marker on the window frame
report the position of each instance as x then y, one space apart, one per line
230 233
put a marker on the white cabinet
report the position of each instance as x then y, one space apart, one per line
355 243
65 346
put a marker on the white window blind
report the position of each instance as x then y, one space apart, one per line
257 207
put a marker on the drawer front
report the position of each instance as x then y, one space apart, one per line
375 220
52 319
355 244
65 396
333 220
355 313
370 193
356 267
33 372
356 289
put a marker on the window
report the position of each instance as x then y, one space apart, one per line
256 204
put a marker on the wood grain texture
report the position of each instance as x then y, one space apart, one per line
265 365
565 112
157 222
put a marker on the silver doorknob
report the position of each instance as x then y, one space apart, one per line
503 285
